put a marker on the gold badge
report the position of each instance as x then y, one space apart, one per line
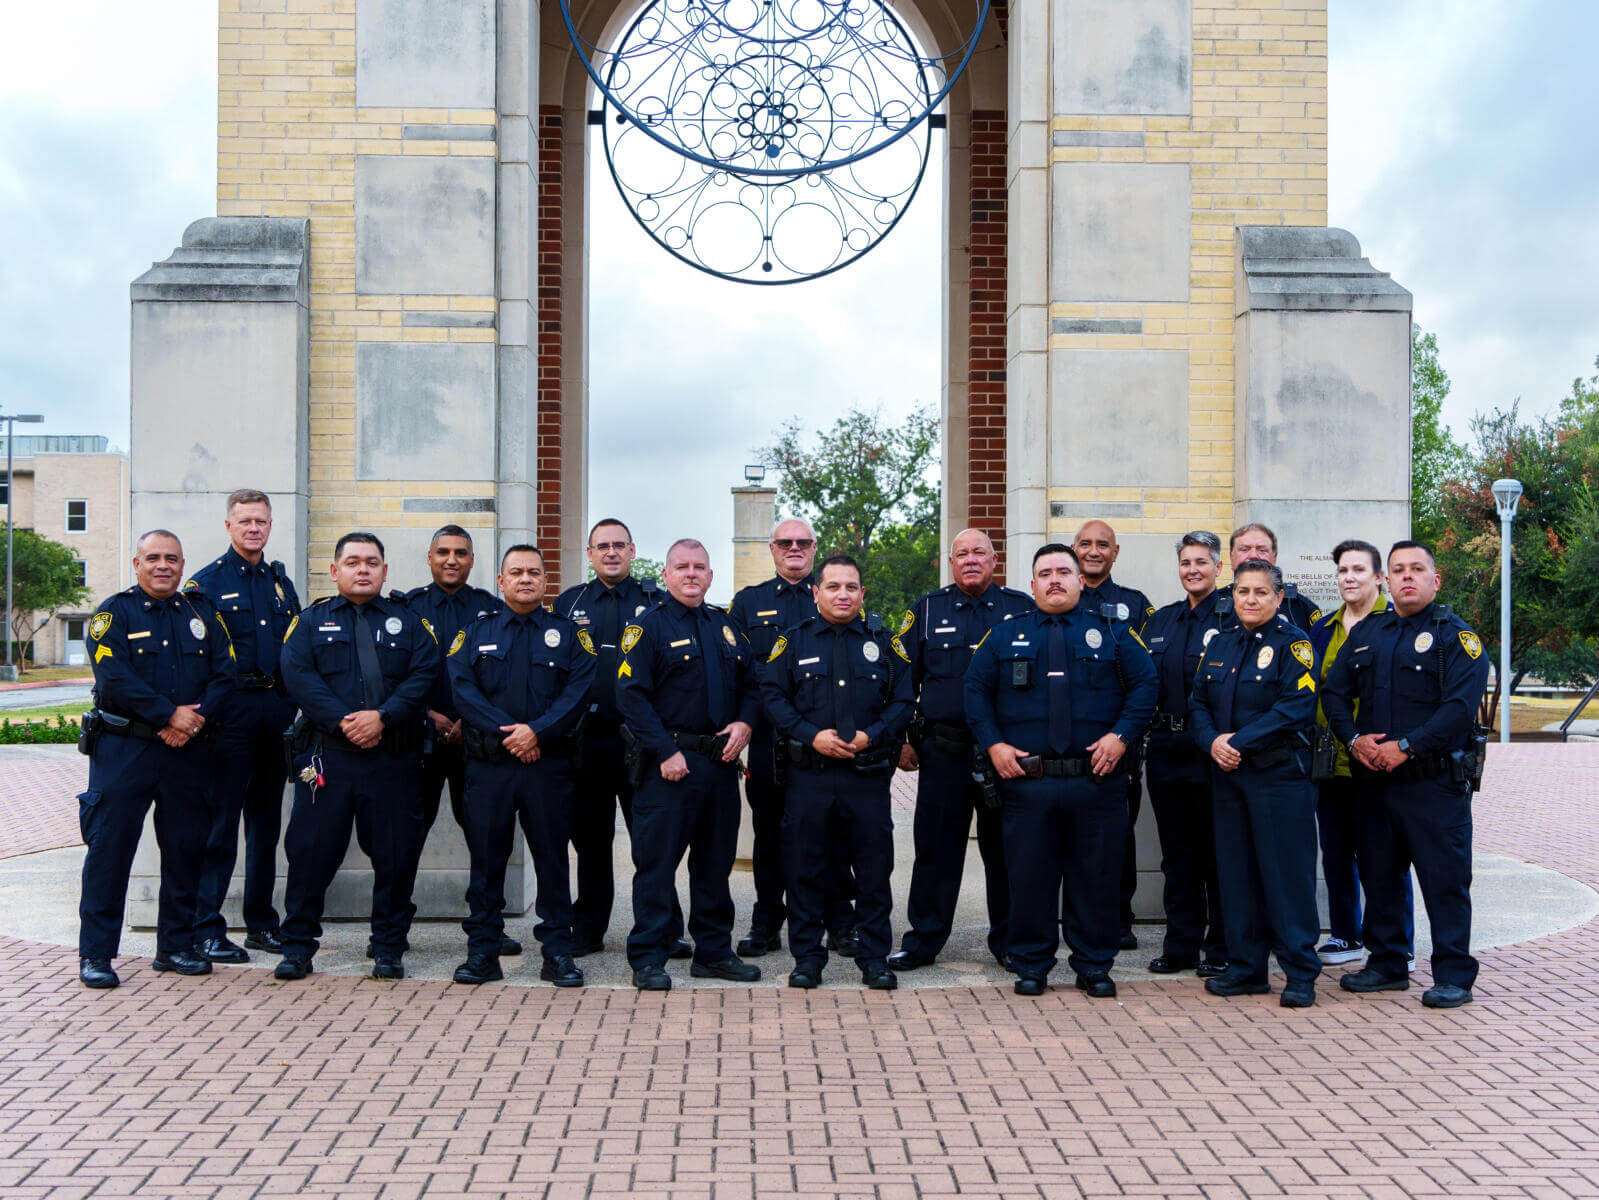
460 640
1263 659
727 632
900 649
278 587
630 637
1302 651
98 624
401 624
1471 642
293 622
777 650
585 641
905 625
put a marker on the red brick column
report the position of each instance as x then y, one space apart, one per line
549 348
985 412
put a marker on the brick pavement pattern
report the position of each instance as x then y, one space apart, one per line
234 1086
38 809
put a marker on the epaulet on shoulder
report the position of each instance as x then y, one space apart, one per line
1014 591
321 600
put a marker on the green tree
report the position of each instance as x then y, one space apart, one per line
869 488
1435 456
642 568
44 581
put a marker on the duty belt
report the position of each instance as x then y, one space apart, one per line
483 747
1066 766
877 761
1422 766
1164 722
254 681
711 745
1273 756
950 738
128 727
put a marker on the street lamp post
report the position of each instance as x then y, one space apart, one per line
8 673
1507 495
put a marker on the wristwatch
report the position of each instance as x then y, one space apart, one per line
1404 747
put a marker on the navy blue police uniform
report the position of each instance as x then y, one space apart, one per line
533 669
685 673
940 632
256 601
852 678
447 613
1259 686
602 784
1052 685
376 791
1179 785
149 657
1298 609
1418 681
1130 606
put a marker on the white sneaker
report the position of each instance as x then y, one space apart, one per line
1411 967
1336 950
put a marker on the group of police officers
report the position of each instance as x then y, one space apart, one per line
1032 714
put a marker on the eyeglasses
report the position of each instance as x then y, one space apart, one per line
607 547
793 543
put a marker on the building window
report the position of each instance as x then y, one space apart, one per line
75 629
77 516
5 493
80 572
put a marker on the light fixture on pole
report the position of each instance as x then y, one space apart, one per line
1507 495
755 473
9 672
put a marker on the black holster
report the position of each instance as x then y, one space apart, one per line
987 780
635 760
1323 754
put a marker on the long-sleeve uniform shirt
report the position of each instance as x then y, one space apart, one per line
1115 602
1177 636
766 611
1258 685
150 656
604 612
447 613
662 681
322 669
534 669
256 601
940 634
803 673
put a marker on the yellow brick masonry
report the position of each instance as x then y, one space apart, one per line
288 132
1256 145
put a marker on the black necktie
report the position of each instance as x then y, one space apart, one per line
1060 691
1229 688
609 603
711 652
518 656
367 622
843 703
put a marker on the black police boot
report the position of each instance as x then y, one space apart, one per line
759 942
97 973
388 966
681 948
1298 995
844 942
906 960
183 962
267 940
221 950
1210 967
561 970
1030 985
1369 979
1446 995
1100 987
652 979
480 968
509 947
805 975
879 978
1171 964
1231 983
292 968
730 968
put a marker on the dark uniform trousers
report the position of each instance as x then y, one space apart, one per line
126 776
1180 794
946 797
1064 836
829 809
697 814
539 794
443 765
249 774
1265 820
768 820
1426 824
1338 804
378 794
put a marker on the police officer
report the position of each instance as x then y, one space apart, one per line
162 669
1418 673
360 667
1179 771
939 633
1097 550
686 688
1251 708
257 601
838 689
604 606
1055 699
521 678
764 611
1257 541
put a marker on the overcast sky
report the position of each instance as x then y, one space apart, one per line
1463 156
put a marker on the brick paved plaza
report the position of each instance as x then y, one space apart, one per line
234 1086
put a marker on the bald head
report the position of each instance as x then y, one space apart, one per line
793 548
971 561
1096 548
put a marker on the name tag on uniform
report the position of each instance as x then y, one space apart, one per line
1021 642
945 629
327 628
490 646
771 612
1055 674
680 642
229 596
805 662
136 636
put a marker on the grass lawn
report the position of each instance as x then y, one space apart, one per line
55 675
22 716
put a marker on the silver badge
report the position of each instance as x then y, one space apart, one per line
1094 638
871 652
1263 659
638 610
552 638
1122 612
393 625
1423 643
197 627
1210 633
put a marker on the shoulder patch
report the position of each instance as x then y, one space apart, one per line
1315 615
630 637
98 624
1303 653
429 628
906 622
294 623
777 649
585 641
192 586
460 640
899 649
1471 642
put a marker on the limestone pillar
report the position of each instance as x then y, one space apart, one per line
754 515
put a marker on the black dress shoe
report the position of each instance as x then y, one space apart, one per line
480 968
805 977
1171 964
97 973
879 978
845 943
1446 995
184 962
268 940
221 950
1230 984
1298 995
729 968
509 947
681 948
590 947
1100 987
561 970
652 979
388 968
1369 979
1129 940
906 960
1210 967
759 942
292 968
1027 985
